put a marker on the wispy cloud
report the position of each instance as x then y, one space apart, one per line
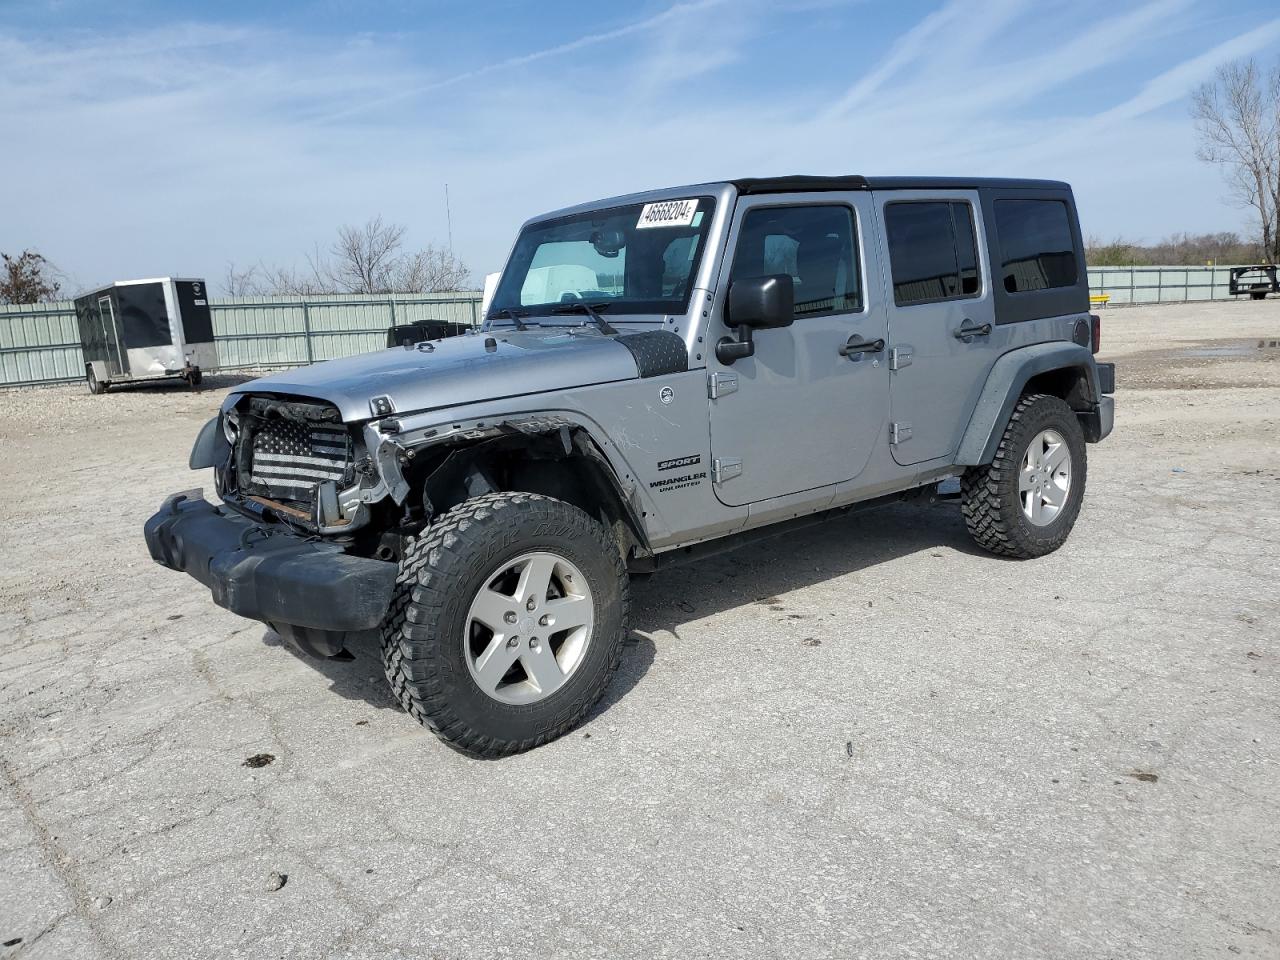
667 16
1172 85
906 49
969 59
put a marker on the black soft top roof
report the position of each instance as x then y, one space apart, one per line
801 184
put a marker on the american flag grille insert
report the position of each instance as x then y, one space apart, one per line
290 458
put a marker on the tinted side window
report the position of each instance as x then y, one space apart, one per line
815 245
933 251
1036 248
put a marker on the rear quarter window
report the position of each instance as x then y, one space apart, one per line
1036 248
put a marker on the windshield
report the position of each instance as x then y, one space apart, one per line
640 258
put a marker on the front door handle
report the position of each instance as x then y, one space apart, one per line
856 347
970 329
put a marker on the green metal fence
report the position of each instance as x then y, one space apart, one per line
1128 285
40 343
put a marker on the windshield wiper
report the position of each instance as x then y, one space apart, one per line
514 314
592 311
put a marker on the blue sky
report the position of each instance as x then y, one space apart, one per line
146 138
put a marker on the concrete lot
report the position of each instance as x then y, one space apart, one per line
869 740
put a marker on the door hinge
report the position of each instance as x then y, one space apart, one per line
899 432
719 384
899 357
725 468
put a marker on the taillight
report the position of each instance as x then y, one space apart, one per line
1095 338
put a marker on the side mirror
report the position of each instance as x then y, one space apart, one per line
755 303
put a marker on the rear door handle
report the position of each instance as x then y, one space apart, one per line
856 347
970 329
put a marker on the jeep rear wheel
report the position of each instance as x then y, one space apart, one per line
1025 502
507 622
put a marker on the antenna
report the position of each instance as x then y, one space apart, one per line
448 218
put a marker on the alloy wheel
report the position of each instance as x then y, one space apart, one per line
1044 481
528 628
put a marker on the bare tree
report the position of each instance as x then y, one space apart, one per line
242 283
367 259
1114 253
371 259
28 278
1237 116
431 270
287 281
1180 249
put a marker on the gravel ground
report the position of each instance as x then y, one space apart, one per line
868 740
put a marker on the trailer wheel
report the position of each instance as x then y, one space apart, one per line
194 377
96 386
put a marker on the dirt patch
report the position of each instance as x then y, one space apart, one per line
1204 365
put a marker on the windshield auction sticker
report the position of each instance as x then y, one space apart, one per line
667 213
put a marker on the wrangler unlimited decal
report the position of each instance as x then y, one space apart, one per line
667 484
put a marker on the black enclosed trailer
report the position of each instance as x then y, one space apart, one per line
146 330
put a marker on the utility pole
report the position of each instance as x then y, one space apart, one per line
448 216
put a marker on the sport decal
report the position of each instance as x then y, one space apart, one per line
678 462
681 481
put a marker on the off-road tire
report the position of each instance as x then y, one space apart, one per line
989 496
96 386
440 572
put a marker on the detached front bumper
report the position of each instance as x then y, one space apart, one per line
265 572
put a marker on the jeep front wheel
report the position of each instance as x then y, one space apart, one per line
507 622
1025 502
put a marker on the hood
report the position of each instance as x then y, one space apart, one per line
458 370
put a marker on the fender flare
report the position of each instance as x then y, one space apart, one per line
211 448
1009 376
577 434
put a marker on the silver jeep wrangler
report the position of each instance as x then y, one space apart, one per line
659 376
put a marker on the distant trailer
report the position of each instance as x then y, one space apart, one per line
137 330
1257 281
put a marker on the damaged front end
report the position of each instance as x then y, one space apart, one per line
292 542
298 463
315 512
314 591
